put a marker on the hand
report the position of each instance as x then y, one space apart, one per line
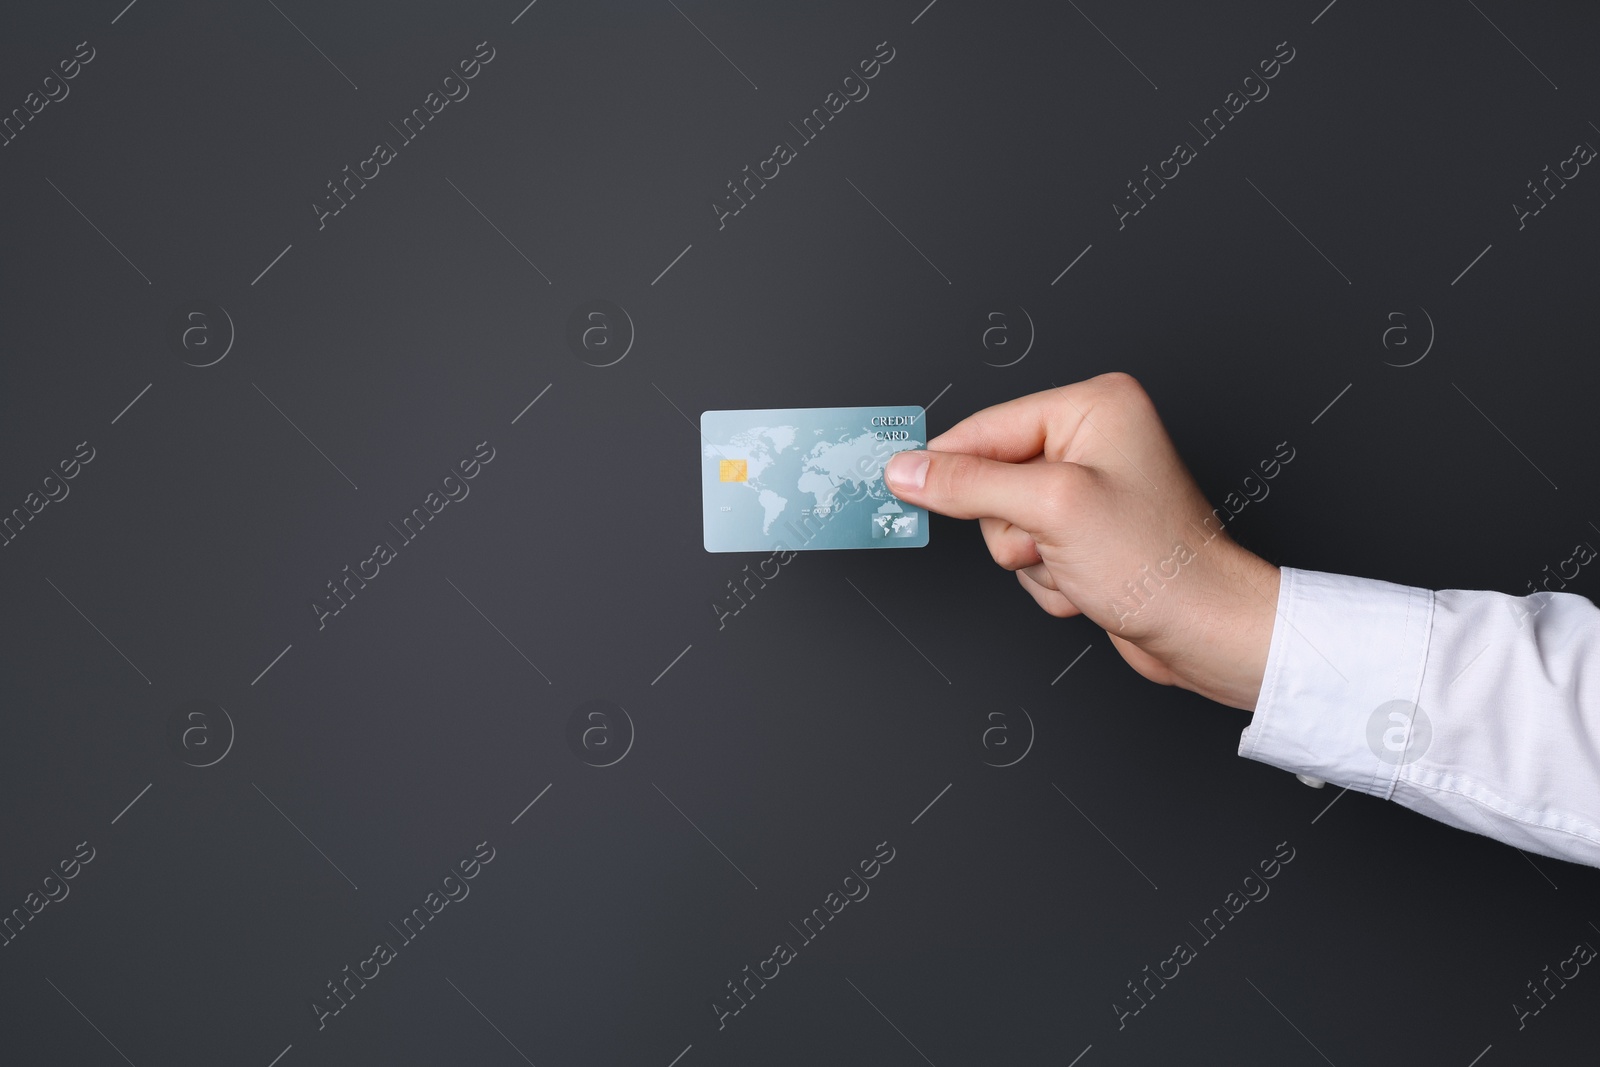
1080 490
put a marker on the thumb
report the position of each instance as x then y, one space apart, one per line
1033 496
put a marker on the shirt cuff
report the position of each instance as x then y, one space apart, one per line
1342 648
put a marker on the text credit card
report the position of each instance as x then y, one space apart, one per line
807 478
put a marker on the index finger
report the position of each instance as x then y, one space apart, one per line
1018 429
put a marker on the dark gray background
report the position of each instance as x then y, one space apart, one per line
807 729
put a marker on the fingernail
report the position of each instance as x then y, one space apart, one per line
907 470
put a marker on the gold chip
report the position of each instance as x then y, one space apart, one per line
733 470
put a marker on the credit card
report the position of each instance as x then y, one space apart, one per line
807 478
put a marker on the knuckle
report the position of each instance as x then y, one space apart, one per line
1121 381
1058 497
1010 555
1126 391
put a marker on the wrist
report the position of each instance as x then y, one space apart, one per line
1232 662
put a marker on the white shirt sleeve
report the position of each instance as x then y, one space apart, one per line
1475 708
